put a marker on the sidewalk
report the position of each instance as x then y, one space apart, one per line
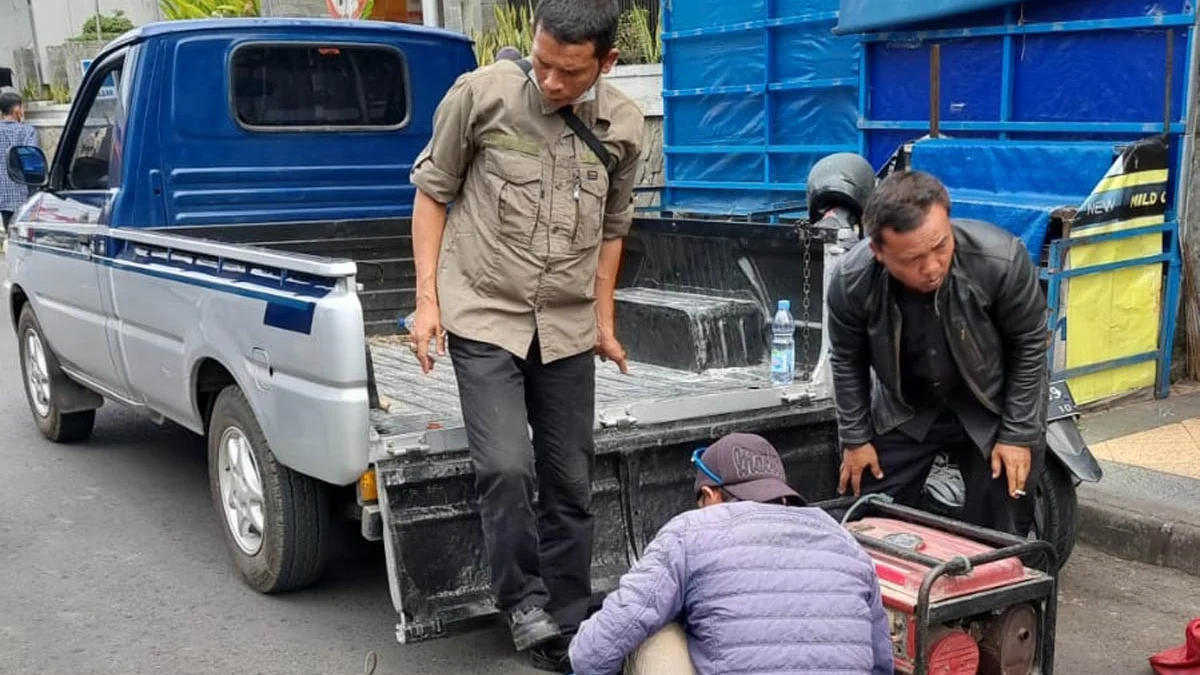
1147 507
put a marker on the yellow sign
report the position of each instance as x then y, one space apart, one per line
1112 315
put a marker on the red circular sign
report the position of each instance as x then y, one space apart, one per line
346 9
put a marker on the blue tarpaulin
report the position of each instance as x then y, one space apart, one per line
757 91
860 16
1016 185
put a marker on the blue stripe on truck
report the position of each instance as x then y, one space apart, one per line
291 302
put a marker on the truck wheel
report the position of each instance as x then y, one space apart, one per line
40 371
276 520
1056 514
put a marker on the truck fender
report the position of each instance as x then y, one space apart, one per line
69 395
1066 444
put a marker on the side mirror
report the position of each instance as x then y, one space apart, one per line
27 165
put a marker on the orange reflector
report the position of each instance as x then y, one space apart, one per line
368 491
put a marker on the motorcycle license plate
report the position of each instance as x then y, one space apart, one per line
1062 404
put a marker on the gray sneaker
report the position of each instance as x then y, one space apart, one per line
531 627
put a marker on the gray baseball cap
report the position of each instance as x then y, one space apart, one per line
746 466
508 53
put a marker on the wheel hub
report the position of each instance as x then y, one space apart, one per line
37 373
241 490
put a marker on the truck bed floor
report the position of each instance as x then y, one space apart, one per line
418 400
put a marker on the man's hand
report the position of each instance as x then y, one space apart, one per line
854 462
427 325
609 349
1015 461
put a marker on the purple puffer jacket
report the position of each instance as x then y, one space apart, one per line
760 589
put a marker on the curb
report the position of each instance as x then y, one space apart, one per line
1132 535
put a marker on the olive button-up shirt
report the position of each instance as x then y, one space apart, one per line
530 206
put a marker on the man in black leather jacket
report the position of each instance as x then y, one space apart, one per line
939 339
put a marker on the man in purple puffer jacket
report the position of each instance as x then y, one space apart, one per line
758 582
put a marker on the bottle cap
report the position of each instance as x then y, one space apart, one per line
785 305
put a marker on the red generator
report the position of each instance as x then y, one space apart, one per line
960 598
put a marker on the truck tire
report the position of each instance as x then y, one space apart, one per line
1056 518
276 520
40 372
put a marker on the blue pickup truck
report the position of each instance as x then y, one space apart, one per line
223 241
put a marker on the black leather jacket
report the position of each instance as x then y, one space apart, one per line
994 315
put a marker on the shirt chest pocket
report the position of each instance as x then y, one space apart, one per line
518 188
590 199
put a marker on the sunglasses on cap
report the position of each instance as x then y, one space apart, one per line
699 464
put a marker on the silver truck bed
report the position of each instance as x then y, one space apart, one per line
418 400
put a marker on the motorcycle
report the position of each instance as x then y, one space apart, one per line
1069 463
839 187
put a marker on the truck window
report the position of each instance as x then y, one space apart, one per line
290 87
92 155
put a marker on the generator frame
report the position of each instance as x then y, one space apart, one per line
1040 588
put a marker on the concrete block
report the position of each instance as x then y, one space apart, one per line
1183 548
1155 539
688 331
1122 533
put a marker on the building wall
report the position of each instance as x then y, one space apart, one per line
58 20
15 31
469 16
294 8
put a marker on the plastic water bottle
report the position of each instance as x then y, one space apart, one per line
783 346
408 323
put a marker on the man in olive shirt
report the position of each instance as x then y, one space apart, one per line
520 275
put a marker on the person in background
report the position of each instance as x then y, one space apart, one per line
13 132
520 275
751 582
938 343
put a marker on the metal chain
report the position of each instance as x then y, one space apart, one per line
806 307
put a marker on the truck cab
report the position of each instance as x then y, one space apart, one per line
303 127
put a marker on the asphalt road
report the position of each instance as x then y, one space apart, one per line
111 562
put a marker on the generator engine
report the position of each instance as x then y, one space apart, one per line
960 599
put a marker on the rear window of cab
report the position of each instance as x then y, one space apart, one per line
298 86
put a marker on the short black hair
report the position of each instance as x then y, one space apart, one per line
901 203
9 101
577 22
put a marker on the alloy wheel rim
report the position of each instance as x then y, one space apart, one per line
37 373
241 490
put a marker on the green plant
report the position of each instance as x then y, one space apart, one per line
109 25
208 9
514 28
60 93
635 41
32 93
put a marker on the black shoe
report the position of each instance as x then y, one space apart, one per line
531 627
552 656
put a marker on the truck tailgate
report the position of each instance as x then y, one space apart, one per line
647 425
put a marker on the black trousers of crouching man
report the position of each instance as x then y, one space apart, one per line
540 553
907 461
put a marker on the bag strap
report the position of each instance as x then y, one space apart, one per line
581 130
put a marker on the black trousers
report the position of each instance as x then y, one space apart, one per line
906 464
540 553
5 217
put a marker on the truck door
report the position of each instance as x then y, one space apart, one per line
65 230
